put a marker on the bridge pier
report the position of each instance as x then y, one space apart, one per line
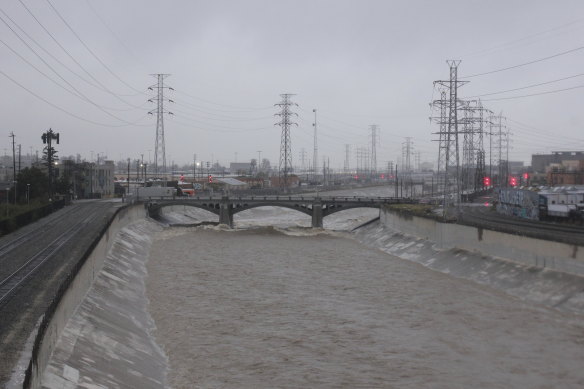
226 212
317 214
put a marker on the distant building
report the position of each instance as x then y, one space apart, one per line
539 162
89 180
241 168
568 172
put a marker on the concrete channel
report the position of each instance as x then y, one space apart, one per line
485 256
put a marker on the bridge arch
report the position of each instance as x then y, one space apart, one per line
300 208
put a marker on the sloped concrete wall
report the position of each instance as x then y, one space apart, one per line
529 251
75 293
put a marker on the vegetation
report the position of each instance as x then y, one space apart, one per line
413 209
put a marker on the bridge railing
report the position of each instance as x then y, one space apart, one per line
280 198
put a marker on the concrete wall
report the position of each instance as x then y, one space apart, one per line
77 290
529 251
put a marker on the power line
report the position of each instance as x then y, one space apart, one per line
519 40
69 113
536 94
77 93
225 105
525 63
526 87
91 51
103 87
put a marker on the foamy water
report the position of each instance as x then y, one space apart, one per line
292 308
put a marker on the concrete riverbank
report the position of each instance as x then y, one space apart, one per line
115 315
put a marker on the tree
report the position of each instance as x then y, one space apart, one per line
63 184
35 182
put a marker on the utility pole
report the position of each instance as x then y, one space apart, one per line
347 153
159 146
194 168
48 138
315 152
302 159
13 165
259 160
374 136
128 176
286 145
19 158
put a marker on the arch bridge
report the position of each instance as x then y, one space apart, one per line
316 207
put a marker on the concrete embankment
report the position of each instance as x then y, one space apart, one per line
107 341
545 272
73 293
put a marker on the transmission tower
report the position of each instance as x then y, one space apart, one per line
347 153
449 133
374 136
315 152
303 159
159 146
285 145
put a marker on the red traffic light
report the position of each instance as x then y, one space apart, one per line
513 181
487 181
383 176
525 176
210 178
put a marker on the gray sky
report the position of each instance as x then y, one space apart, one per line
357 62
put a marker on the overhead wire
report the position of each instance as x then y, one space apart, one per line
526 87
536 94
103 87
77 93
97 58
513 43
239 108
67 112
525 63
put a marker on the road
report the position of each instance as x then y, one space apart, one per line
34 261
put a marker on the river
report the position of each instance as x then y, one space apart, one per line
288 307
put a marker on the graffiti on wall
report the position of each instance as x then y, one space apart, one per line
518 202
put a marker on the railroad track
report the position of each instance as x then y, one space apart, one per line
29 266
25 237
562 232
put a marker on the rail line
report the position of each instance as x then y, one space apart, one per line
10 283
14 243
562 232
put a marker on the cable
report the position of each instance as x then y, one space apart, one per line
510 43
109 29
91 51
536 94
77 92
526 87
524 64
69 113
225 118
103 87
225 105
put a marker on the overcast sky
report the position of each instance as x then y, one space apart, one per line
357 62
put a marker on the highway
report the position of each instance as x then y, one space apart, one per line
34 261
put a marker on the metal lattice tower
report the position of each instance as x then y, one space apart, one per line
374 136
285 123
159 146
445 141
315 152
449 134
473 163
347 154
